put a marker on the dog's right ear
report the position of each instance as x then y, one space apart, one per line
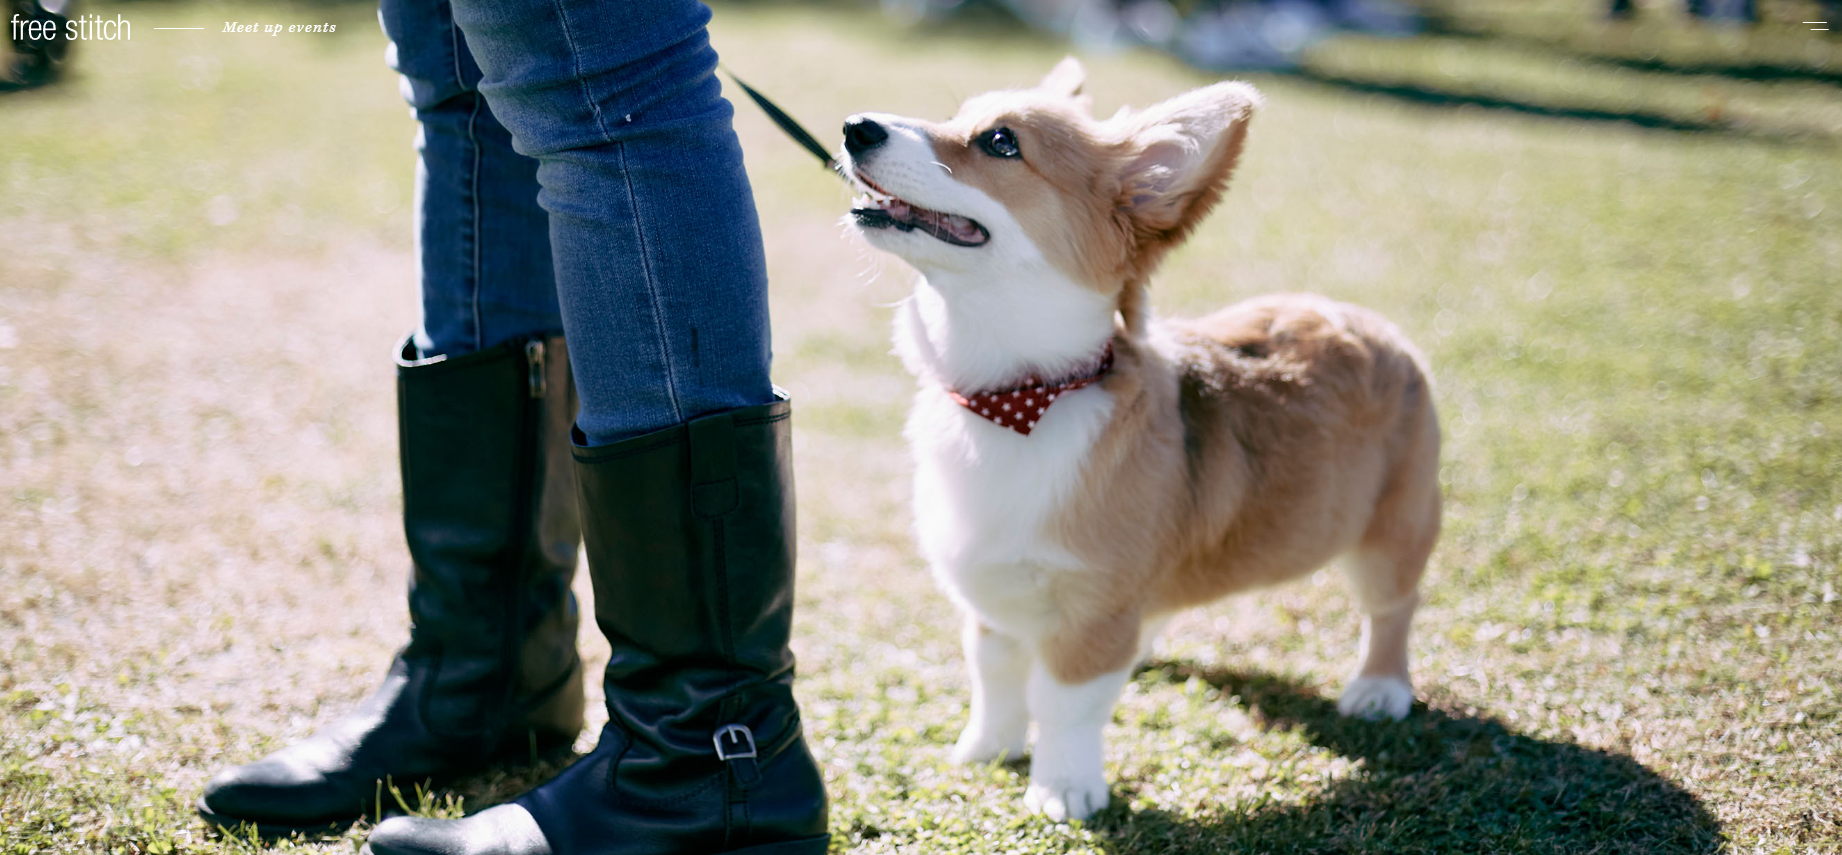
1065 80
1177 157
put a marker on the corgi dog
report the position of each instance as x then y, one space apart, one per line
1083 470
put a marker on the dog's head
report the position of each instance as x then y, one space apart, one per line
1023 178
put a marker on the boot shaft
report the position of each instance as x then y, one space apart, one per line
690 539
491 671
489 513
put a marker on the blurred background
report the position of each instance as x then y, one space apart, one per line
1615 228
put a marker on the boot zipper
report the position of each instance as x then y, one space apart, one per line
534 360
529 445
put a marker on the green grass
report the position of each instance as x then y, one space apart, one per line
1630 642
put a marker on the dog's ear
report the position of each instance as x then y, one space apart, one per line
1176 160
1066 80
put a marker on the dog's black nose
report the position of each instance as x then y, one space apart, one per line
861 135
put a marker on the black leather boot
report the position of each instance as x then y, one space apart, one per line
490 674
690 546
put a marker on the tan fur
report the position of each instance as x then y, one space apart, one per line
1074 193
1063 193
1247 447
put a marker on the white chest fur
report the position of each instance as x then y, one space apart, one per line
984 494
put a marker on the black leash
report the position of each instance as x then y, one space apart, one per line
786 123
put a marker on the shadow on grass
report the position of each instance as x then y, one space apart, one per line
1435 783
1428 96
1444 24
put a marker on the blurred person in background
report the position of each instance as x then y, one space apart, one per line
39 51
1716 10
1273 35
1744 11
1219 35
578 180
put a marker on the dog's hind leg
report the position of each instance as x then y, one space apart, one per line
1384 572
1000 724
1382 687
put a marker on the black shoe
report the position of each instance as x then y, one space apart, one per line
490 674
690 546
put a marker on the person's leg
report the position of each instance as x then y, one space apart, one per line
482 242
485 402
659 263
684 473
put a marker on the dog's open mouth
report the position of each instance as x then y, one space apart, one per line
876 209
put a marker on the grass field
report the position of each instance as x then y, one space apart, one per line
1621 248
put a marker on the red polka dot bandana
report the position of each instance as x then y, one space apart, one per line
1020 408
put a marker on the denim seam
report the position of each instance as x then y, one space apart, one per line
473 185
575 60
652 285
460 82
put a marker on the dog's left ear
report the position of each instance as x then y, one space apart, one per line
1177 158
1065 80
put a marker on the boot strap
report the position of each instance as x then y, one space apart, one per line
735 744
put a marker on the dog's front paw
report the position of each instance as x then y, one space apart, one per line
1376 699
976 748
1064 800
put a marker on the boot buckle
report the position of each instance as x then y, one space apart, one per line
741 745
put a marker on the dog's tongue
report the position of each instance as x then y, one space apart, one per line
959 227
941 225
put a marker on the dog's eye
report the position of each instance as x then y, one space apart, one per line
1000 142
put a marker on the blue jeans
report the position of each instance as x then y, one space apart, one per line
577 170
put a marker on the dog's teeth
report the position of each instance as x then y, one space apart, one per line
905 217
